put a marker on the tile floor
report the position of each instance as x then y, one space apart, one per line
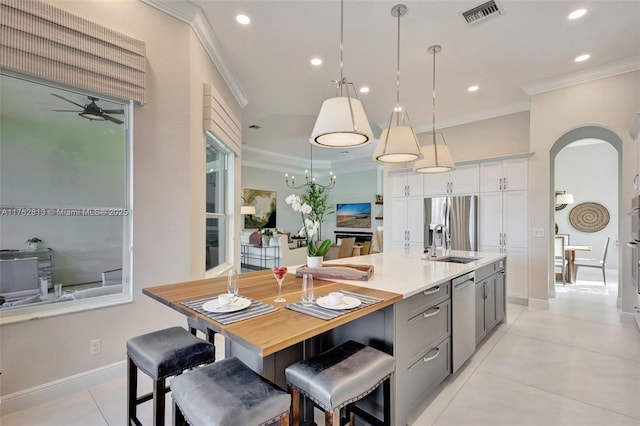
575 364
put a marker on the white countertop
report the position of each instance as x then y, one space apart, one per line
404 272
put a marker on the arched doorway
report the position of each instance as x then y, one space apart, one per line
570 137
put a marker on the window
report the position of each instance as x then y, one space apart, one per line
216 215
64 180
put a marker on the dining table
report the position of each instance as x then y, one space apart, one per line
271 341
570 256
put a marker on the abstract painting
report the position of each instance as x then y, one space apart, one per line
265 203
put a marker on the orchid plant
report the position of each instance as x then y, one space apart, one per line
310 227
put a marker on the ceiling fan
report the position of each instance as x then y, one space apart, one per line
92 111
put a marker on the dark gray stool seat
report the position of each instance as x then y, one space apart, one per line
340 376
228 393
161 354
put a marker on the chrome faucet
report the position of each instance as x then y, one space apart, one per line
438 228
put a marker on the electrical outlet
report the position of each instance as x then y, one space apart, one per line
95 346
538 232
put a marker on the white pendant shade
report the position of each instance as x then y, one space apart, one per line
247 210
341 123
432 163
397 144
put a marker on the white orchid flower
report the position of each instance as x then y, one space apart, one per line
305 208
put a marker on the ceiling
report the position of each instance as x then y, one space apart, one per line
531 46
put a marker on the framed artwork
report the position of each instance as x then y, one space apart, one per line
265 203
353 215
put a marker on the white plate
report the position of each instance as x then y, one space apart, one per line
347 303
237 305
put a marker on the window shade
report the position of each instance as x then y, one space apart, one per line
220 119
39 39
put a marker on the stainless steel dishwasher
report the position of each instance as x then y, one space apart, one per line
464 319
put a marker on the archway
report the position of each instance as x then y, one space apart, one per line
580 133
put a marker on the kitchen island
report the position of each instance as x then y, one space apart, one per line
412 321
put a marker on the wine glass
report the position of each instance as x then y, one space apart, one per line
233 283
278 274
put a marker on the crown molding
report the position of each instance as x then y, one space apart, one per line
472 118
594 73
192 15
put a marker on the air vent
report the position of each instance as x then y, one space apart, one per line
482 12
255 127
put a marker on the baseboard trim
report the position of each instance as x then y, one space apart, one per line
49 391
539 304
517 300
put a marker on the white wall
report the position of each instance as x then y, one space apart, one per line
574 173
168 221
609 103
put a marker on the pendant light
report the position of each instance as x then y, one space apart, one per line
436 155
342 122
398 143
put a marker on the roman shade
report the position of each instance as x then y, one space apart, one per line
39 39
220 120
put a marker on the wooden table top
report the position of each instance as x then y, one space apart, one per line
272 332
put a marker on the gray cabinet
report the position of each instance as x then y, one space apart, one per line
490 298
423 346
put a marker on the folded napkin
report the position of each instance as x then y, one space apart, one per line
317 311
256 308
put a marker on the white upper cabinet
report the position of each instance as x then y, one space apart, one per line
406 184
462 180
506 175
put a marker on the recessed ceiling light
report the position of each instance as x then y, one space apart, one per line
364 89
582 58
316 61
579 13
473 88
243 19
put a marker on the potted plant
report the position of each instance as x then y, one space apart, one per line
266 234
33 242
311 224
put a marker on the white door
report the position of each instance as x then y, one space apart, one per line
491 176
436 183
465 179
490 212
414 184
517 272
516 174
415 220
398 220
398 184
514 218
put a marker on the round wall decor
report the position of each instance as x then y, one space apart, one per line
589 217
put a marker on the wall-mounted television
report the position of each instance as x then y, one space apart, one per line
353 215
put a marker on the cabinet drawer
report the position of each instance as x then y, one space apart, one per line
426 299
427 329
429 371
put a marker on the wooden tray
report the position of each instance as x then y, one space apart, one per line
338 272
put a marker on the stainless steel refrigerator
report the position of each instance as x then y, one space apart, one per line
459 214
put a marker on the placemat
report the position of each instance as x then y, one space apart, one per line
326 313
256 308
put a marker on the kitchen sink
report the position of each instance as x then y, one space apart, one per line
455 259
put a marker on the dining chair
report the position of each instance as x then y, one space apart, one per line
566 237
560 260
596 263
346 247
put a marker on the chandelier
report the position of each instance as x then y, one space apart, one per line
309 180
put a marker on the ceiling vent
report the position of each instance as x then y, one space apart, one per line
255 127
482 12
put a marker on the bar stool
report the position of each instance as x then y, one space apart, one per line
227 393
161 354
338 378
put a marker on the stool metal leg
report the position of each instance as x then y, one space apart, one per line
332 418
132 387
158 402
295 406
